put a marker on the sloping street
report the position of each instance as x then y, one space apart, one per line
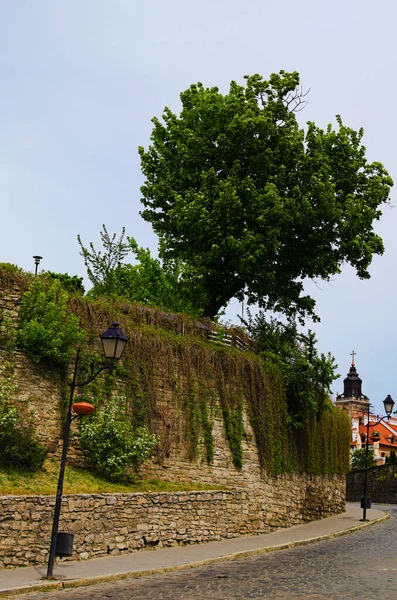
362 566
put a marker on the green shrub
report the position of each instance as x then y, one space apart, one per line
84 397
392 458
113 446
308 375
18 448
10 273
46 329
7 330
358 459
70 283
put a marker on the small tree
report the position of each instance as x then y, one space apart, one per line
358 459
392 458
101 264
156 283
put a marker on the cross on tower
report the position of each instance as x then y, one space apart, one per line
353 354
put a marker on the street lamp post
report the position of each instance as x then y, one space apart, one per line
388 403
37 260
113 343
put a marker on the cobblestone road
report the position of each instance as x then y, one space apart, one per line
359 566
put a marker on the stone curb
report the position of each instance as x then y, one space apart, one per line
49 586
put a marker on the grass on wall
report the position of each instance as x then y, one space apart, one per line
82 481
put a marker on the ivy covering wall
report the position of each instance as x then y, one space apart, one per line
177 382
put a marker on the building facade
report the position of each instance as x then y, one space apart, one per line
383 436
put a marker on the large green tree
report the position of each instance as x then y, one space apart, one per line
254 203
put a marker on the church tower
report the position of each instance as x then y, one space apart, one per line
353 401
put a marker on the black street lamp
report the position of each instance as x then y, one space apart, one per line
113 341
37 260
388 403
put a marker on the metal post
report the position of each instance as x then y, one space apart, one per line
37 260
112 352
58 499
366 471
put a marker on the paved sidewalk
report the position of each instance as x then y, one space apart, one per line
146 562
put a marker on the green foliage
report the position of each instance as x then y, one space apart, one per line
196 404
191 422
47 329
81 481
232 409
113 446
179 384
71 283
154 283
307 374
7 330
10 273
206 425
252 203
9 269
268 413
150 281
18 448
7 385
101 264
358 459
392 458
324 444
84 397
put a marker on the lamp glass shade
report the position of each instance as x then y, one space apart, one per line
388 403
113 341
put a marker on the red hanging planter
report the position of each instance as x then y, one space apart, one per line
83 408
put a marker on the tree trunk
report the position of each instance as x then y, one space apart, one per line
216 302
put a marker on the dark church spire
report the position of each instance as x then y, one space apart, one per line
352 383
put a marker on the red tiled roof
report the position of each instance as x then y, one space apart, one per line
388 432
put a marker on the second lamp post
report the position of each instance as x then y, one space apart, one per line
388 403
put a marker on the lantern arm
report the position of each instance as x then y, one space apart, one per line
380 419
105 367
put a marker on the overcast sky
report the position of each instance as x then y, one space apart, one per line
81 80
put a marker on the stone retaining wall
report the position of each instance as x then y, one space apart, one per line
110 524
120 523
382 484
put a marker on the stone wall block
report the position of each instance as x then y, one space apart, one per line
211 515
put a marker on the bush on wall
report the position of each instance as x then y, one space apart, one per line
115 449
18 448
47 329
